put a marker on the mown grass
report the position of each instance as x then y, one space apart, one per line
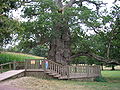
11 56
112 76
112 82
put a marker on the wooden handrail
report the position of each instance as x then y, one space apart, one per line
20 62
11 65
6 63
67 70
89 71
55 63
58 68
2 66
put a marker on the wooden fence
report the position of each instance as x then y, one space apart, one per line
84 71
11 66
65 71
6 66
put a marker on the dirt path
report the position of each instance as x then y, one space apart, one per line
31 83
6 87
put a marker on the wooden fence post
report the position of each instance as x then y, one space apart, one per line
14 65
10 66
99 71
1 69
44 62
87 70
68 72
25 65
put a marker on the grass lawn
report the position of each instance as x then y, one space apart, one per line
112 77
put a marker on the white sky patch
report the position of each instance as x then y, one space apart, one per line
17 14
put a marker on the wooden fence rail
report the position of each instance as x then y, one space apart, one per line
68 71
11 66
84 71
65 71
6 66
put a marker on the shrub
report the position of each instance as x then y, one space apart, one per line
100 79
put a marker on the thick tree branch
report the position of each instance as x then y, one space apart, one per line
70 3
115 1
97 57
97 32
59 3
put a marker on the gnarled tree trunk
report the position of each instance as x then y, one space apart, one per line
60 45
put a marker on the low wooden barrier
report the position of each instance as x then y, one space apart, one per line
6 66
19 65
65 71
51 67
84 71
12 66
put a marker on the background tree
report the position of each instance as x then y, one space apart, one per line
7 24
40 51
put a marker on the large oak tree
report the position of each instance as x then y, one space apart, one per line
58 23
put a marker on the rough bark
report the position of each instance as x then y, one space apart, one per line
59 3
60 45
